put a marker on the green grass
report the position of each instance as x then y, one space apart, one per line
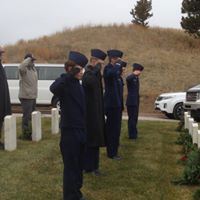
34 170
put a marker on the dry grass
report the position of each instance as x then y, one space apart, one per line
170 57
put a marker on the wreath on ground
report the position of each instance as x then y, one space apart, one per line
191 173
185 139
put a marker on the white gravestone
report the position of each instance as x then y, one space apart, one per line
191 120
195 133
10 136
188 117
185 120
54 121
36 126
198 139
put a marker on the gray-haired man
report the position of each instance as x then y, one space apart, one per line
28 79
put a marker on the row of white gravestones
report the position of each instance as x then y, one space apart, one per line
192 128
10 136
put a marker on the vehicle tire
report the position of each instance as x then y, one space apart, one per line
178 111
169 115
56 103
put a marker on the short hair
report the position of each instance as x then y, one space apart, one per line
68 64
93 58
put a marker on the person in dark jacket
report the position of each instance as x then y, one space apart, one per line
133 100
73 136
5 106
112 103
92 84
121 87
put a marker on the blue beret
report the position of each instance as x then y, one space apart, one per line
137 66
115 53
78 58
97 53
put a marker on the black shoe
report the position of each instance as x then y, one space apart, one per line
97 172
87 171
25 137
132 139
116 157
1 145
82 198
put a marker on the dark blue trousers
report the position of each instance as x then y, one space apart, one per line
113 126
132 121
91 159
121 113
72 146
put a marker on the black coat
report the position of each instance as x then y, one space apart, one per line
5 106
121 90
95 122
112 93
133 86
72 101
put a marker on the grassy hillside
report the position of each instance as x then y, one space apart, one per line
171 58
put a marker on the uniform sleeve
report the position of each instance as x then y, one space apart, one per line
57 87
129 79
23 66
110 72
89 80
97 70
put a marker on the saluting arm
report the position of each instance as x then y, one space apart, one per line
57 87
89 80
23 66
112 71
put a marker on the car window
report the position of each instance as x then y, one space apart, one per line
11 72
49 73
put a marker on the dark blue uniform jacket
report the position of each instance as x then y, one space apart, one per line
133 90
112 95
72 101
121 91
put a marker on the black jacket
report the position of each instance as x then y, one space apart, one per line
95 122
72 101
121 90
133 86
5 106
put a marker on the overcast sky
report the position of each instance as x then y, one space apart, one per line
29 19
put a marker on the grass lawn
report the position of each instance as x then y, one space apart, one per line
34 170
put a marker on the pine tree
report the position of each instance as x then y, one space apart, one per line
141 12
191 22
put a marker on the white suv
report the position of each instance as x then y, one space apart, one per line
192 102
47 73
171 104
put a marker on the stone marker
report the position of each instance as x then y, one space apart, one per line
54 121
191 120
188 117
195 133
185 120
36 126
10 136
198 139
